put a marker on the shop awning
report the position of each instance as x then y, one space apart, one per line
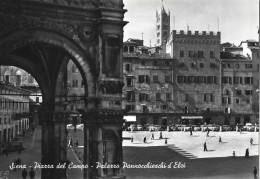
191 117
130 118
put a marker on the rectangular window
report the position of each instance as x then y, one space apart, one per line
143 97
238 92
158 97
200 79
248 80
191 79
130 96
226 100
208 97
193 65
237 100
168 97
155 63
226 80
155 78
248 101
129 82
236 80
128 67
237 66
201 65
248 92
200 54
143 63
212 54
182 79
130 107
192 54
248 65
181 53
141 78
167 78
164 107
167 63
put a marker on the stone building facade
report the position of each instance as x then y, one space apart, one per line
195 83
14 113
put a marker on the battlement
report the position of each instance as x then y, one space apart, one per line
196 33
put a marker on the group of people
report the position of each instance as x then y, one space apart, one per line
31 173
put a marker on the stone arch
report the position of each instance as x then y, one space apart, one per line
125 49
43 36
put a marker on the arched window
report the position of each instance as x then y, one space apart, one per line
131 49
125 49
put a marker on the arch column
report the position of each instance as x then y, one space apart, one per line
103 143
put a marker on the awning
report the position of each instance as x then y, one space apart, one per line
130 118
191 117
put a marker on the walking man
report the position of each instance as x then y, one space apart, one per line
152 137
165 141
19 151
219 140
24 174
160 135
144 139
251 141
31 173
205 147
132 139
190 130
247 153
234 154
255 173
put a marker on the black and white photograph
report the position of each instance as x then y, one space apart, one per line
129 89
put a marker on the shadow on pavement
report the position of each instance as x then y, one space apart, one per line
226 167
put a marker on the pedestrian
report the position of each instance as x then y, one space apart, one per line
191 130
132 139
144 139
205 147
77 143
234 154
247 153
251 141
24 173
6 152
14 162
160 135
19 151
255 173
219 140
165 141
208 132
31 173
152 138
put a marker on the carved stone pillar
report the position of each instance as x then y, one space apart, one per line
60 121
103 143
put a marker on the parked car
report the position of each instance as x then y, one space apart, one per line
157 127
249 127
139 127
80 126
146 127
196 128
70 126
132 127
151 127
213 127
226 128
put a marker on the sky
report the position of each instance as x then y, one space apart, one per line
238 19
